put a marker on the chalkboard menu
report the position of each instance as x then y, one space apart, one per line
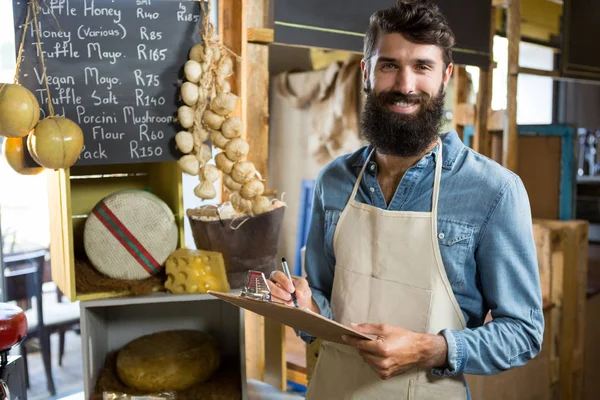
114 68
341 24
580 55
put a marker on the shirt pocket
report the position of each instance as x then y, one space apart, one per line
455 240
331 220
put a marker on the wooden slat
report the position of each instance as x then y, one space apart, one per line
461 94
261 35
482 141
61 232
538 72
481 138
511 134
275 356
258 108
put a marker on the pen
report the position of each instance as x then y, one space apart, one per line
286 270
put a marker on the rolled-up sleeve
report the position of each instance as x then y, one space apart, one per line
508 272
319 262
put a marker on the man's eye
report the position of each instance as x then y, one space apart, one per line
422 67
389 66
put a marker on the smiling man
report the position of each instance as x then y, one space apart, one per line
416 237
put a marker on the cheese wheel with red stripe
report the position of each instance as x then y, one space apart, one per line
129 235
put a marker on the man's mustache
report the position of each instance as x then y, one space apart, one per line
395 97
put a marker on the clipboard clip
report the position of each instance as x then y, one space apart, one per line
256 288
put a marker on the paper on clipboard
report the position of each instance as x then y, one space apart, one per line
301 319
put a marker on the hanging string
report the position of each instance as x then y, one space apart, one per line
35 9
22 45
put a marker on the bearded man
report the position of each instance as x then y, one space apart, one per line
416 237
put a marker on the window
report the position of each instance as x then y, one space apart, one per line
534 93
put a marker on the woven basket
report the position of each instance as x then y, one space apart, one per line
247 243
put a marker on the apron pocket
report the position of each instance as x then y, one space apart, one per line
418 390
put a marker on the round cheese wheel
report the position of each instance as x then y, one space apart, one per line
168 361
130 234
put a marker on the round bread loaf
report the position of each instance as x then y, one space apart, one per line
129 235
168 361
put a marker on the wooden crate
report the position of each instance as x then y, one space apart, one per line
569 258
72 193
109 324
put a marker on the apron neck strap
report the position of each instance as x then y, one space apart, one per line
436 180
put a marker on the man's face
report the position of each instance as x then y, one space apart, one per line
405 85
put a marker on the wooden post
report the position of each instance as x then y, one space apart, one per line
234 18
461 94
511 139
482 140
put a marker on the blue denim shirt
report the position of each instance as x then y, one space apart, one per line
488 249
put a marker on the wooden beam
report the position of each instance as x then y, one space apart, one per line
510 151
461 95
500 3
539 72
261 35
482 140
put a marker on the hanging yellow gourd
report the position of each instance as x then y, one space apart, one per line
56 142
19 110
14 152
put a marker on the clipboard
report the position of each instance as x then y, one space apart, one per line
301 319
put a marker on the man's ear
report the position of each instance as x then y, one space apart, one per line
364 65
448 74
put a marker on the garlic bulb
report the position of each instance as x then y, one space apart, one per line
200 133
225 68
209 173
204 154
224 103
189 164
242 171
237 149
184 141
260 205
218 139
193 71
231 184
232 127
205 190
197 53
185 115
252 188
212 120
224 163
223 86
244 205
189 93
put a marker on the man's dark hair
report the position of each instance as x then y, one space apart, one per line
420 21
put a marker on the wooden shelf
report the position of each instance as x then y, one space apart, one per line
158 297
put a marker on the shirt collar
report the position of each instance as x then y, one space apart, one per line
452 147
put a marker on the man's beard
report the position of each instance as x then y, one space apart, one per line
403 135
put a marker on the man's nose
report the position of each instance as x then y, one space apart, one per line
405 82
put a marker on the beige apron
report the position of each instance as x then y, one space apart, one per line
388 270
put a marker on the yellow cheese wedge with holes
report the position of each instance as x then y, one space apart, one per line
195 271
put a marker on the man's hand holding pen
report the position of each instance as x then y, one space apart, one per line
282 288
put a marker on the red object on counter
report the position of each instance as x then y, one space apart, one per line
13 326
